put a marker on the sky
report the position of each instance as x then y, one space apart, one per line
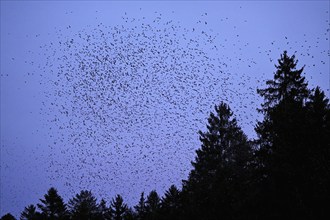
109 96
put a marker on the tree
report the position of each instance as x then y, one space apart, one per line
52 206
104 211
219 168
171 203
153 205
118 208
30 213
318 136
287 143
286 91
83 206
8 216
278 138
129 214
284 96
288 83
140 208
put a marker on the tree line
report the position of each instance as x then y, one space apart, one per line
282 174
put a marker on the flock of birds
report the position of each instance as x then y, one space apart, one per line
124 103
127 102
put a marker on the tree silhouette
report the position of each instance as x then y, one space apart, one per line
118 208
287 142
52 206
83 206
153 205
30 213
8 216
104 211
171 203
287 83
129 214
219 166
318 139
140 208
288 88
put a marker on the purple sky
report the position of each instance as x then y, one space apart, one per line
109 96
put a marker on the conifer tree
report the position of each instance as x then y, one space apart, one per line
104 211
140 208
219 167
287 142
118 208
30 213
318 171
52 206
171 203
153 205
284 93
288 83
8 216
83 206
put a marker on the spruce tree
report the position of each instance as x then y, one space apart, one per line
287 142
118 208
211 190
83 206
104 211
52 206
288 83
8 216
318 171
140 208
171 203
30 213
153 205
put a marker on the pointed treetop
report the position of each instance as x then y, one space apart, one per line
288 83
52 206
118 208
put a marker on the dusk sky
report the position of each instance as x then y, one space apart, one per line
110 96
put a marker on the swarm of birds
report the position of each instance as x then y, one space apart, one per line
125 102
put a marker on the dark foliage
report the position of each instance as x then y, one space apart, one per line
216 186
30 213
104 211
140 208
8 216
153 206
52 206
294 132
171 204
83 206
118 208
